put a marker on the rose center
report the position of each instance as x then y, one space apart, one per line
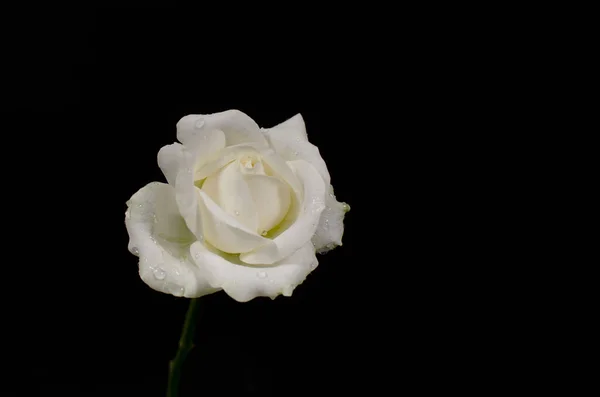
247 195
248 162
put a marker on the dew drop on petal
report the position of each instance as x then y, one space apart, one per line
140 205
296 153
199 123
345 207
159 274
262 274
175 289
237 212
135 251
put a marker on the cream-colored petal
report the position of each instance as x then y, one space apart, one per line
237 127
229 190
159 236
224 231
272 199
289 141
219 160
331 224
186 195
202 147
276 166
293 128
244 283
303 229
202 143
170 161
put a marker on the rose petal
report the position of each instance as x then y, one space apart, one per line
303 229
272 199
203 144
186 195
276 166
229 190
293 128
331 225
224 231
222 158
237 128
159 236
244 283
170 161
289 141
178 163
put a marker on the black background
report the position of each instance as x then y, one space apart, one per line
94 94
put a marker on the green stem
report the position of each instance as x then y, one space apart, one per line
185 346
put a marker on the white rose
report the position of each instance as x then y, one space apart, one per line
244 211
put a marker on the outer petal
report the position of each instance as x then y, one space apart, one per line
158 235
178 163
170 161
293 128
303 229
289 141
186 195
331 225
237 127
244 283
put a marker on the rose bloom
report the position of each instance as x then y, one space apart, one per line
244 211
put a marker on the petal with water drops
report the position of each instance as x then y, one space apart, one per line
244 283
159 237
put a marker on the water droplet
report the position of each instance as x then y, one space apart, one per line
135 251
298 139
175 289
159 273
345 207
140 205
199 123
296 153
127 214
262 274
197 255
313 265
263 233
237 212
177 273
